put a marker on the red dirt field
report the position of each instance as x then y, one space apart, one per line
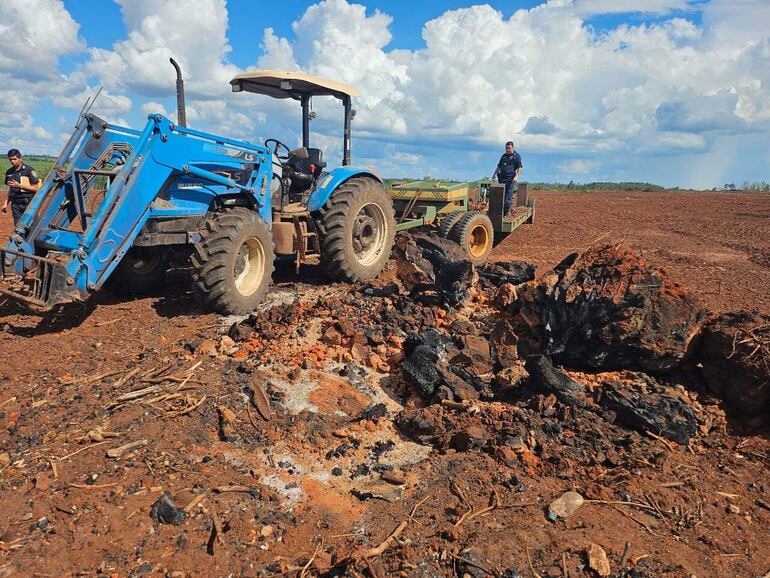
305 494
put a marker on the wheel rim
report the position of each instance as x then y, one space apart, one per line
369 234
478 241
249 268
144 264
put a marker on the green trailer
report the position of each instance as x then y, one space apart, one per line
473 219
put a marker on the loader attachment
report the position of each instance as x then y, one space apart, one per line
42 282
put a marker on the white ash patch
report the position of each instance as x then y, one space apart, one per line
296 395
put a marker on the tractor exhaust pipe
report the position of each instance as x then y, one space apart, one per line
181 115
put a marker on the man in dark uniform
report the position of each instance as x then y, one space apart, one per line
22 182
507 173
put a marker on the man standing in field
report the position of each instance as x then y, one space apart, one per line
22 182
507 173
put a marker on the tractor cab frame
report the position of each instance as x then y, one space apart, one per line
303 87
300 168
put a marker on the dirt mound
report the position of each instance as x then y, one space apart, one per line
734 353
607 309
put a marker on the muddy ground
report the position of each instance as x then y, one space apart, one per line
323 483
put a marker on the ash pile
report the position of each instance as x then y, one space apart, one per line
592 362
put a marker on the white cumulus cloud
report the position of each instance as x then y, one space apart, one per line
577 166
195 35
151 107
34 34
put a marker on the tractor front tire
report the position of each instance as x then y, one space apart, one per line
448 223
475 235
358 228
141 270
233 263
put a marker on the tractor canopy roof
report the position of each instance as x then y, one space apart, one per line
283 84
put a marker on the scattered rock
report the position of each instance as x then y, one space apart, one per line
423 352
472 437
506 295
505 343
258 397
227 432
512 273
475 355
165 511
657 413
374 412
240 332
565 505
463 327
393 477
207 347
266 531
546 378
597 560
508 380
472 555
420 425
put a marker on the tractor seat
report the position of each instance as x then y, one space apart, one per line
313 165
304 172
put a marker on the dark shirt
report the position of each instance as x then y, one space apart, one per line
13 174
507 167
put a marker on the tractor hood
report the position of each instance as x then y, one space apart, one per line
283 84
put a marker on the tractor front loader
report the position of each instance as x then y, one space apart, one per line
165 189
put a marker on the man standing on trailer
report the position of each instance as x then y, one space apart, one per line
22 182
507 173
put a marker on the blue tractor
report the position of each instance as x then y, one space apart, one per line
121 205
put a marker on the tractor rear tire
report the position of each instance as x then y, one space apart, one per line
475 235
233 263
358 228
448 223
140 271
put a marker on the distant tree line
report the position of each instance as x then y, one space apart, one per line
755 187
627 186
596 186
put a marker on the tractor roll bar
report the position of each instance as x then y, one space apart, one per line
300 86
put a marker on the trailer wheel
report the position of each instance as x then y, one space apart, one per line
475 235
357 227
140 271
448 223
233 263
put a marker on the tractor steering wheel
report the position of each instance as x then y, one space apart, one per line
278 145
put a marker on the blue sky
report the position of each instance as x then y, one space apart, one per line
675 92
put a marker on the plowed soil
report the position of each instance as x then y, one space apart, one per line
303 492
